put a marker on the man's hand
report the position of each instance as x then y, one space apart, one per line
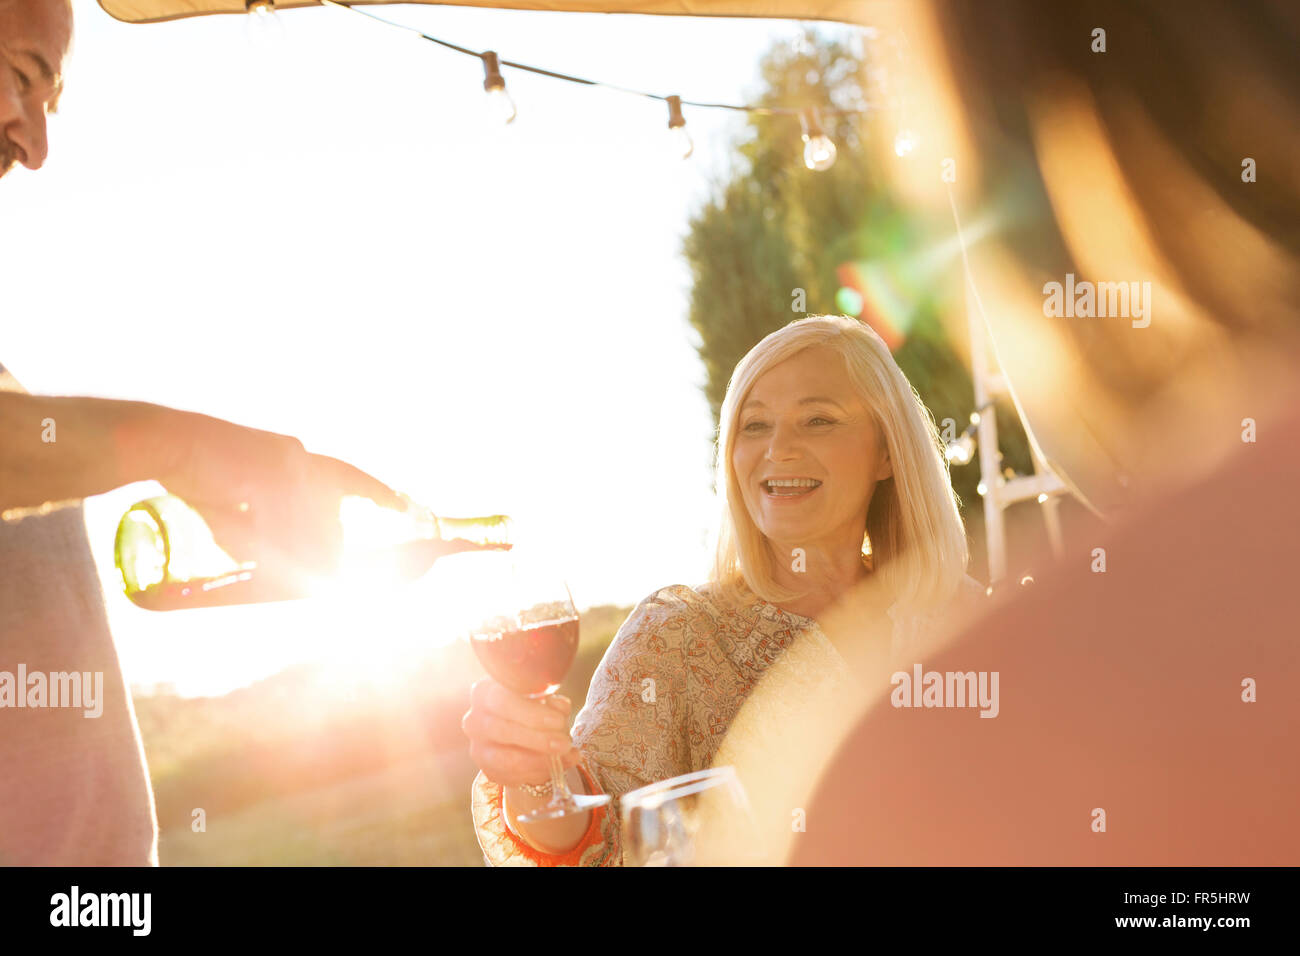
264 496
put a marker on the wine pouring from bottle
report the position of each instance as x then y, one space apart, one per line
169 559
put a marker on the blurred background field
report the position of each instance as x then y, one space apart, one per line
296 771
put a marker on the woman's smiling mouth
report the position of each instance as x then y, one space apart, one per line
789 487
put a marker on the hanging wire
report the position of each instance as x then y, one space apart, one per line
568 78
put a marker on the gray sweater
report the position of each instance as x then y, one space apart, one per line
74 790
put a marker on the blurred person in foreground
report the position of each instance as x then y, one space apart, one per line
74 789
1148 708
831 476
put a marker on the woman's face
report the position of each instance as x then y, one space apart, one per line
803 427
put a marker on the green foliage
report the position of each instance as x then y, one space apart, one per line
776 226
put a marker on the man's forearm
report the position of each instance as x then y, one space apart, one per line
55 449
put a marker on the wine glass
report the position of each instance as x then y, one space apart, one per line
527 640
696 819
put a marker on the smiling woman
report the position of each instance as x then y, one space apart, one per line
823 399
835 494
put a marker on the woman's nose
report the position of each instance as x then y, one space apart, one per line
783 445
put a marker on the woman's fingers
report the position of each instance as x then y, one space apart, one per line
512 737
491 697
490 728
510 766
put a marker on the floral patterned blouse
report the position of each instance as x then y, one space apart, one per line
671 685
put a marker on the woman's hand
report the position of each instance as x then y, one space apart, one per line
511 737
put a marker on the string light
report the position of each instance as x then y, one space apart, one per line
264 27
500 103
679 140
962 450
818 150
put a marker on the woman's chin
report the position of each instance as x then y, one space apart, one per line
788 535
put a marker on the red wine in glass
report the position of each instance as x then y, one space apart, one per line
532 659
527 638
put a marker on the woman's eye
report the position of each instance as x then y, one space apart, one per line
24 84
753 426
822 421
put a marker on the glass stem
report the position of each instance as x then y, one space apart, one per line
560 789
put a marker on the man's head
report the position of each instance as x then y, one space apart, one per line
34 38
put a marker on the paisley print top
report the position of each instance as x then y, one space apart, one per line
669 688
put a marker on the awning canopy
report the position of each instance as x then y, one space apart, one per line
845 11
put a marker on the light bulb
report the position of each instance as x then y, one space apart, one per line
264 27
819 153
961 451
679 140
500 105
818 150
679 143
904 142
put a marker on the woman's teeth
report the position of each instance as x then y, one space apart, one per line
790 486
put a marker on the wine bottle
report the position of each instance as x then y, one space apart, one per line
169 559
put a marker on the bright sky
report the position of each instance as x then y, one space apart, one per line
328 239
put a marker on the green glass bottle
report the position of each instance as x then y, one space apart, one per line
169 559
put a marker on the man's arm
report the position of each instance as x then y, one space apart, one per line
56 449
262 494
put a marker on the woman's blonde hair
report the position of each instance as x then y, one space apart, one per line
914 531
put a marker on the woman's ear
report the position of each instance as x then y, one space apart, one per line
886 469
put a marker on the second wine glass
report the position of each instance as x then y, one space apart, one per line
695 819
